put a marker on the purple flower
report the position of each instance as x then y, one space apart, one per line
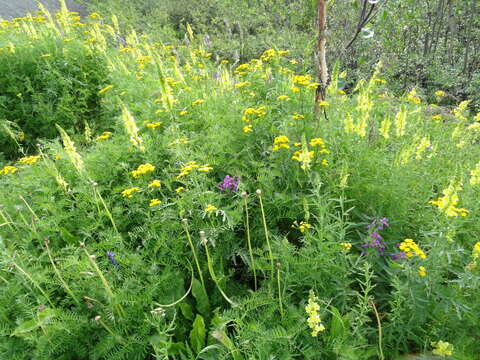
230 183
111 257
398 256
376 235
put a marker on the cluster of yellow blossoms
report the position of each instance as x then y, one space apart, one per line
210 208
251 113
281 142
302 226
128 193
8 170
105 135
447 203
29 160
314 322
475 256
192 165
154 125
304 157
442 348
346 246
411 249
142 170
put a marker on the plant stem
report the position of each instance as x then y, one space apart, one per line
379 331
270 254
57 272
34 283
280 303
184 222
247 224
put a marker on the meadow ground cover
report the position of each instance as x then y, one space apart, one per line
211 215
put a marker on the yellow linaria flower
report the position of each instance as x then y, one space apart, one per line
314 322
105 89
155 183
131 128
71 151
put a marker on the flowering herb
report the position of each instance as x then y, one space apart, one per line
111 257
230 183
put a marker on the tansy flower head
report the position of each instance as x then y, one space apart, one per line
155 183
442 348
29 160
128 193
422 271
142 170
210 208
247 129
154 125
154 202
8 170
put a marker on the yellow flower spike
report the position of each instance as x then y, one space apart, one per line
314 322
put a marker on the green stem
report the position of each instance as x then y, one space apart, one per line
280 303
57 272
109 214
106 286
247 223
379 331
270 254
210 268
184 222
110 331
34 283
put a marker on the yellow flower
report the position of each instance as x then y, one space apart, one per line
341 92
179 189
105 135
293 62
437 117
297 116
105 89
346 246
154 125
128 193
142 170
411 249
210 208
317 142
8 170
154 202
247 129
182 113
46 55
30 160
302 226
314 322
421 271
242 84
94 15
281 139
440 93
323 103
412 97
205 168
198 102
283 97
325 162
155 183
442 348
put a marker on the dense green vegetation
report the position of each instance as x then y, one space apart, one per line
191 208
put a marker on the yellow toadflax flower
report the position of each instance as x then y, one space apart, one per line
71 151
314 322
475 179
447 203
131 128
442 348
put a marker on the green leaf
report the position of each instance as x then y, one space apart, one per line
187 311
198 334
28 326
201 297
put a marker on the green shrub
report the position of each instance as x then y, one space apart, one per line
44 82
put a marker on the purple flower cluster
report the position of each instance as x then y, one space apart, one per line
111 257
398 256
230 183
375 240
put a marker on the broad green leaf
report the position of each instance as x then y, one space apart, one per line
198 334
